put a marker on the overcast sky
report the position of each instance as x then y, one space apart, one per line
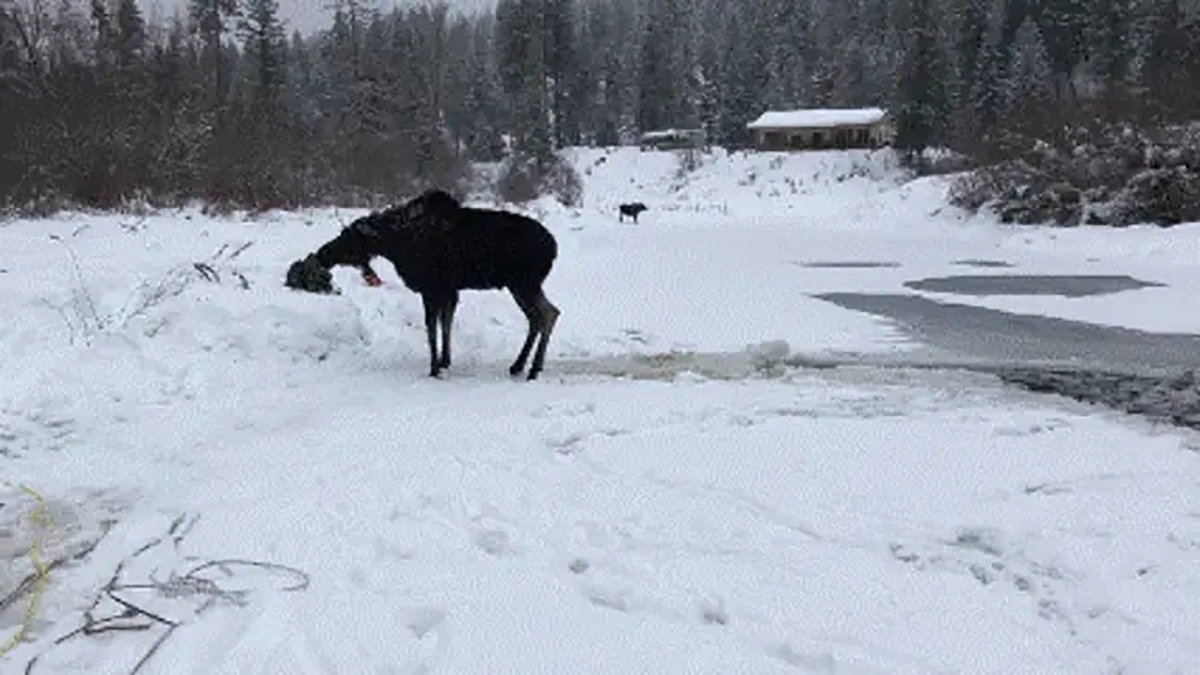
306 15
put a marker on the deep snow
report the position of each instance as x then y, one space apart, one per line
849 521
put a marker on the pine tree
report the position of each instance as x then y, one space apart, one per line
562 67
740 94
435 155
208 18
130 37
1109 33
1166 64
1064 25
969 44
605 105
520 37
301 80
988 94
658 83
483 105
265 48
774 21
512 43
1031 95
923 105
708 74
104 35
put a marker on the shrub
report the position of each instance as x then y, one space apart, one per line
1116 175
523 178
1164 196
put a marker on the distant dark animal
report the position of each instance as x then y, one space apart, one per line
439 247
631 210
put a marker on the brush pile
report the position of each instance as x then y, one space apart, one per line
309 275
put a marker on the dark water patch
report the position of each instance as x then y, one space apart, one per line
1156 375
1071 286
972 262
847 264
1003 336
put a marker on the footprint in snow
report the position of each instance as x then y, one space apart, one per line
608 598
552 410
422 620
712 611
575 442
984 540
813 663
570 444
493 542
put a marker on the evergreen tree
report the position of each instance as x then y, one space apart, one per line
483 104
130 38
1167 60
988 94
923 102
969 43
208 18
658 83
376 104
1063 24
562 68
1109 33
708 77
520 37
1031 94
740 94
265 48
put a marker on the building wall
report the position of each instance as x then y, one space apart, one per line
825 138
690 138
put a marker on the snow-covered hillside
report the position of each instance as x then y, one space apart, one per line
739 183
267 482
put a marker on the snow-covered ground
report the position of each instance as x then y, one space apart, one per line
174 405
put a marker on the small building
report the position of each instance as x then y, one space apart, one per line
821 129
673 139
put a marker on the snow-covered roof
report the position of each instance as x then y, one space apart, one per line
665 134
817 118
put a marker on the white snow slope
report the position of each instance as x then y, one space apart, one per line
621 515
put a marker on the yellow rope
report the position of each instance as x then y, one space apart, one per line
39 519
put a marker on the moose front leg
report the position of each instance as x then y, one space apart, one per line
446 316
433 307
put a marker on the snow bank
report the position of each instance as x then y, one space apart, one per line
705 507
740 184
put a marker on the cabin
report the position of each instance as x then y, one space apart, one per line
673 139
821 129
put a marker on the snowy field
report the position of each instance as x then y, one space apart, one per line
174 406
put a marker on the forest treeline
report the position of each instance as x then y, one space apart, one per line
224 103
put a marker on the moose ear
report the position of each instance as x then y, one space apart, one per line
415 209
365 227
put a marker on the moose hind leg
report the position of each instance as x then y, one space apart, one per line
432 307
447 319
525 300
548 315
